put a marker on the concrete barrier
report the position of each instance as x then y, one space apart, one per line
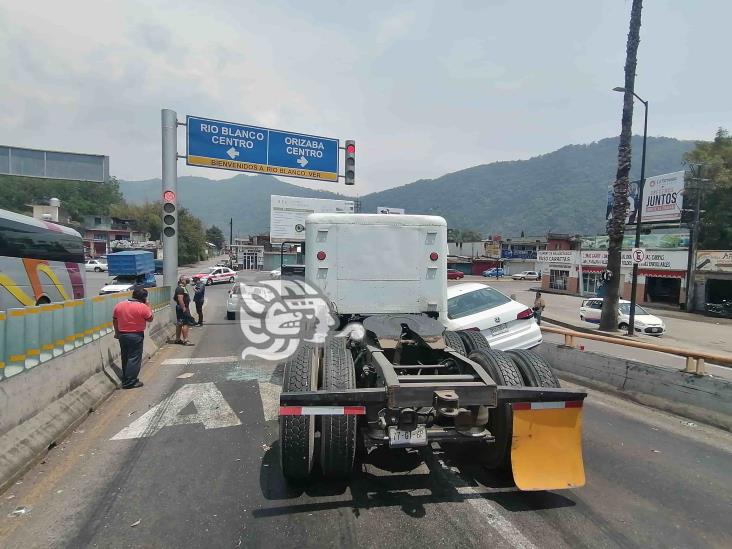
39 405
703 398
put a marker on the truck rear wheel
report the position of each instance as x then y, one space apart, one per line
297 433
534 368
453 340
337 433
500 423
474 340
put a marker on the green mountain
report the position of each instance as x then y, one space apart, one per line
562 191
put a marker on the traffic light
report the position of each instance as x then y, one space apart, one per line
170 216
350 162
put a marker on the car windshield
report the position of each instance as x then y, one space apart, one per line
474 302
624 308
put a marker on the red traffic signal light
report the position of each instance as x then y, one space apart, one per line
169 196
351 148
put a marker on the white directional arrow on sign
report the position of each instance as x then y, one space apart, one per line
302 161
233 153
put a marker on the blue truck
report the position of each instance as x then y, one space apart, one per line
130 268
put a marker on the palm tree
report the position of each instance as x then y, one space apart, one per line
616 225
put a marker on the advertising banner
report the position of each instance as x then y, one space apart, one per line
671 240
714 261
657 260
562 257
662 199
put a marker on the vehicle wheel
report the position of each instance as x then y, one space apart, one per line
231 280
623 326
97 270
209 282
453 339
230 315
297 433
473 340
535 369
337 433
500 423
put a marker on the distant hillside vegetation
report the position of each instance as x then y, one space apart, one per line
562 191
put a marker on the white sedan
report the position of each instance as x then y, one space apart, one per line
95 265
526 275
506 324
241 293
645 322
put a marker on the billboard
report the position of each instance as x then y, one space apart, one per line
662 199
664 239
53 164
387 210
288 213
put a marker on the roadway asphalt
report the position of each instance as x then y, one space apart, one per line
142 471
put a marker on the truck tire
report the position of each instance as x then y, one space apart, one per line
534 368
453 340
337 433
297 433
500 423
473 340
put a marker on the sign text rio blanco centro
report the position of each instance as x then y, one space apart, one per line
228 146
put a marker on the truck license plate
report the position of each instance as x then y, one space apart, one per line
406 439
500 329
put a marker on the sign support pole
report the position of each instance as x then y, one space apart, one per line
170 183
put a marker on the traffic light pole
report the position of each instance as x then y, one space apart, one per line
170 183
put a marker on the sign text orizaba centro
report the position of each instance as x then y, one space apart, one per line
238 147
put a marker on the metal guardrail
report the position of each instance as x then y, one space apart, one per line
30 336
695 358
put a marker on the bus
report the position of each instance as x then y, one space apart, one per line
40 262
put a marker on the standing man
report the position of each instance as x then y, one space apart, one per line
199 294
538 307
182 312
129 319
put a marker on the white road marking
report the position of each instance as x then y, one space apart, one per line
185 376
212 411
489 510
205 360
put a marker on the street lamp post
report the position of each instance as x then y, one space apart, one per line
639 215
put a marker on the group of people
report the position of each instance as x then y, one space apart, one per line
130 318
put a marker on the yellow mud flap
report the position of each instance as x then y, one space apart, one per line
546 450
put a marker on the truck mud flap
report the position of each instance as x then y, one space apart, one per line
546 447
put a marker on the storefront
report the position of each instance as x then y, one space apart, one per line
713 282
559 270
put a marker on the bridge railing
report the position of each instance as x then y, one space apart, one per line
695 358
30 336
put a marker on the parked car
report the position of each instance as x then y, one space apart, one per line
645 322
526 275
454 274
496 272
506 324
214 275
245 294
95 265
124 283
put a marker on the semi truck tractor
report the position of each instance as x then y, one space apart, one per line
401 379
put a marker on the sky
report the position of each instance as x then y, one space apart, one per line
425 88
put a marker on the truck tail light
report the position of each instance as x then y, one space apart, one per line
526 313
320 255
434 256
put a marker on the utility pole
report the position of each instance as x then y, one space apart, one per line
691 262
231 231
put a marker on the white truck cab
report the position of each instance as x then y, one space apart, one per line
374 263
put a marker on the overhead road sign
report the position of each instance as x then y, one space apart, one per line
244 148
53 164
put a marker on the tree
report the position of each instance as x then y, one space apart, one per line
716 223
215 236
616 224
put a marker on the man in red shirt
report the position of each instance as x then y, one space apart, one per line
130 319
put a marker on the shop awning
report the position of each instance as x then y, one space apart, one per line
662 274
